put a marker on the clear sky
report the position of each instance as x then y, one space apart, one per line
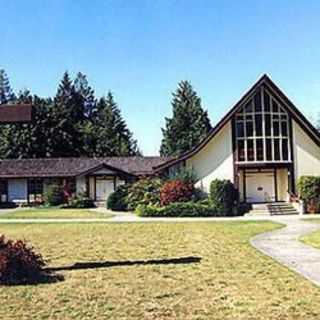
140 50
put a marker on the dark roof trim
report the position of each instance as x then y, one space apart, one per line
102 166
264 80
11 113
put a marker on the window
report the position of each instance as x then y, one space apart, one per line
3 190
35 186
262 130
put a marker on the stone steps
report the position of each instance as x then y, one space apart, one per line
278 208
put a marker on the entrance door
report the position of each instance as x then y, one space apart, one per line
17 190
260 187
104 187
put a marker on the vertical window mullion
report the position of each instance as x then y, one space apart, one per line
272 136
263 126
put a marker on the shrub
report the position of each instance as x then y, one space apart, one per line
180 209
176 191
80 201
118 200
19 263
184 174
309 191
53 195
144 192
223 196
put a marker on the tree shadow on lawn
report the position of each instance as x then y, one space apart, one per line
49 275
109 264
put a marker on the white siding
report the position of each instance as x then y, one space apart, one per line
215 160
306 153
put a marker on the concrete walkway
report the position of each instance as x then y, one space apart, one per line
284 246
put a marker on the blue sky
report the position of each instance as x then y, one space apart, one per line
140 50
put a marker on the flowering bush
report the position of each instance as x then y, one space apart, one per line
18 262
176 191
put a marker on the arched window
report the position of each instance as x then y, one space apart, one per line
262 130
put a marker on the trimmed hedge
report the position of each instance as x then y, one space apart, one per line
309 191
223 196
179 209
118 200
80 202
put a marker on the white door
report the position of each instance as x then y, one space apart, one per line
17 190
260 187
104 187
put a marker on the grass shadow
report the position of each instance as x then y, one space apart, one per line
110 264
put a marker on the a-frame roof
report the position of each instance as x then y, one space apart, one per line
279 95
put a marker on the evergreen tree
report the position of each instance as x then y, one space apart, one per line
6 93
68 117
189 124
82 87
113 138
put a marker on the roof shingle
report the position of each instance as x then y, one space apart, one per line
68 167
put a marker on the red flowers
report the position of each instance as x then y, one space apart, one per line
176 191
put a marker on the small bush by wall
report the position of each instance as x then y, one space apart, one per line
80 201
176 191
309 191
19 263
53 195
180 209
223 196
118 200
144 192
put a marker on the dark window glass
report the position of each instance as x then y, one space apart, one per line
266 102
241 156
3 187
276 149
249 117
284 129
259 125
239 117
275 117
36 186
248 106
257 102
276 128
268 124
259 149
275 107
269 149
240 129
284 117
250 150
281 110
249 128
285 154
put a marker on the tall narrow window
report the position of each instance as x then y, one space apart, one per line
262 130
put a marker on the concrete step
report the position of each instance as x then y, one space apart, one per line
281 208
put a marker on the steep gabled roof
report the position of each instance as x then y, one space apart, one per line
269 84
15 113
71 167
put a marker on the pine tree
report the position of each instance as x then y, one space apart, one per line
68 117
6 93
82 87
113 138
189 124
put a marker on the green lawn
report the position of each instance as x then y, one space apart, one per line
52 213
232 280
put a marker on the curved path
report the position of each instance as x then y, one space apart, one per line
284 246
